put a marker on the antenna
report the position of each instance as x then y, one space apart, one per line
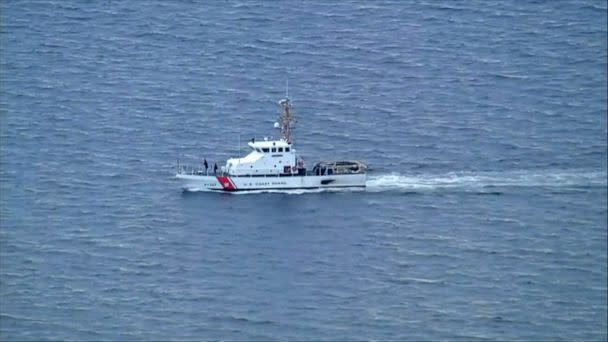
287 88
286 120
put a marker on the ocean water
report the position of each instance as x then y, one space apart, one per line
483 122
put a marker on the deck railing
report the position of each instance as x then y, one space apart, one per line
199 170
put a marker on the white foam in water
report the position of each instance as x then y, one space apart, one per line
478 180
460 181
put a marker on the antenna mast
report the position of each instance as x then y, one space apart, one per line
286 120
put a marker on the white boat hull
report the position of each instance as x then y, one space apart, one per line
246 183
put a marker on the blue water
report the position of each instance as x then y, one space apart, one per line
484 124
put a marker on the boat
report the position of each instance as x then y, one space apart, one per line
274 165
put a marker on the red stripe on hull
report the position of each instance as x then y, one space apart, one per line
226 183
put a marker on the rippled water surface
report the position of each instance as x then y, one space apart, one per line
484 123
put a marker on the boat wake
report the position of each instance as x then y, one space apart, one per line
486 182
475 182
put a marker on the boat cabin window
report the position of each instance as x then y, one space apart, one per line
280 149
274 149
258 149
266 149
286 149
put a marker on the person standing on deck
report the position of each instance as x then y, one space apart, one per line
205 165
214 168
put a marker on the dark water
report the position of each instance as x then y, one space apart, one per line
484 217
